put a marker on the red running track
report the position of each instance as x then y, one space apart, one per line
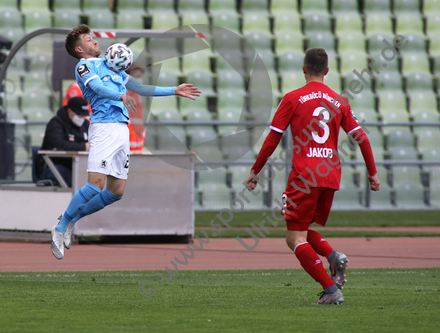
396 252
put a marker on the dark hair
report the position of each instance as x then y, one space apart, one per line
72 39
316 61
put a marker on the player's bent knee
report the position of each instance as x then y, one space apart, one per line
296 237
290 243
290 240
116 186
118 194
109 197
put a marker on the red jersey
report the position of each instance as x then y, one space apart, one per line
315 114
74 91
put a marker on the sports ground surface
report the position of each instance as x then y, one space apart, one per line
393 283
227 253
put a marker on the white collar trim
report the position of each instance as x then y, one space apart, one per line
91 58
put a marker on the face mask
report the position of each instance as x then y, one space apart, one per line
78 120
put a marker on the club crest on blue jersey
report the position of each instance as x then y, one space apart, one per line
83 70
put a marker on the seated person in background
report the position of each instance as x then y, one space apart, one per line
67 131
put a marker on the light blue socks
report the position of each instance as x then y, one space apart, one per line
86 201
98 202
79 200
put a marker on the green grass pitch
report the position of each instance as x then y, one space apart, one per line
376 300
376 219
336 218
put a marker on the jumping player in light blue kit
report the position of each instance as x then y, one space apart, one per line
106 91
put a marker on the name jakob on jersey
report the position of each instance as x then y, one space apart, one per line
320 152
316 95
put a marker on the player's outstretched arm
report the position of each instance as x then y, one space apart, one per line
143 89
183 90
187 90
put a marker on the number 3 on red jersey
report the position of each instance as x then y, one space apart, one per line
323 124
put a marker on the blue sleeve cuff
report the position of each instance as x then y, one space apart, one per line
149 90
164 91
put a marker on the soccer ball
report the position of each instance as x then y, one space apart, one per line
118 57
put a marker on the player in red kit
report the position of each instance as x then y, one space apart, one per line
315 114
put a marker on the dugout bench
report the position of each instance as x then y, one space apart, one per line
158 199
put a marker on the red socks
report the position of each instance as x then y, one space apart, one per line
319 243
307 254
310 261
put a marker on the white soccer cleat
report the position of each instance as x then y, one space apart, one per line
57 246
68 235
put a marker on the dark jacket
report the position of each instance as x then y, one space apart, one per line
62 134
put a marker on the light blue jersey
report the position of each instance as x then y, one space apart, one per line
105 110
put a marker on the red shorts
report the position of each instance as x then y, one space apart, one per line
310 207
